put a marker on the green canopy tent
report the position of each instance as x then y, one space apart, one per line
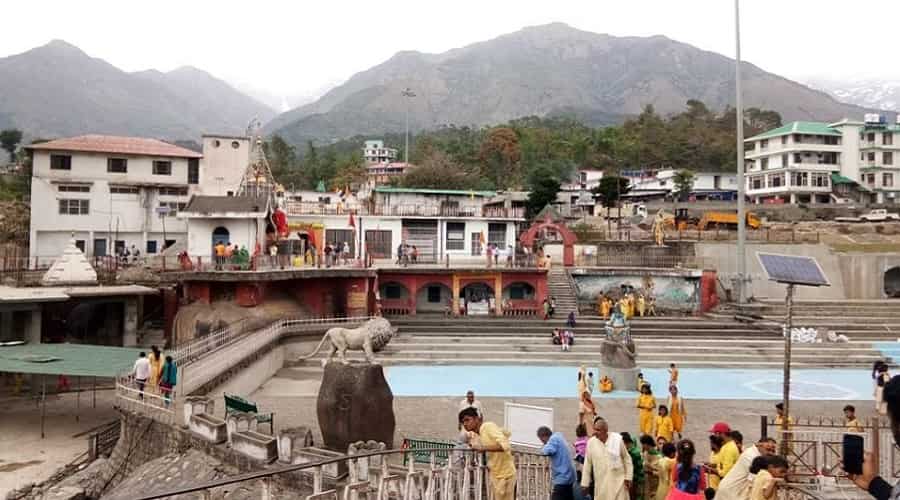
73 360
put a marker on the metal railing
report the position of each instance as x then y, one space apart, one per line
198 366
372 475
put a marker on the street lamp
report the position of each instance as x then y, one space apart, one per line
408 94
739 116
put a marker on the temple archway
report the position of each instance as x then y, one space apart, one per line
568 238
433 297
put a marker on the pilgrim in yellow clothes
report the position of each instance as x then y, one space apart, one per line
641 305
676 410
664 428
156 362
646 403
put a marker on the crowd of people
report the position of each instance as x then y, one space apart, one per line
630 304
155 374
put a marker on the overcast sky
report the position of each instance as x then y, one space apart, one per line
297 47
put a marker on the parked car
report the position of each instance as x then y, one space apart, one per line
879 215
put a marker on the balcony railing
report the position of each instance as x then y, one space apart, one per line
296 208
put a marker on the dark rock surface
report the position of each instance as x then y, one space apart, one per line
355 403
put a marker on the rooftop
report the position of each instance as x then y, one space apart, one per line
808 128
67 359
222 204
449 192
135 146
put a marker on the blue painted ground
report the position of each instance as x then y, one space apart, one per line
890 350
694 383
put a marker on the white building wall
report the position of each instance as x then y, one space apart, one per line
223 165
243 232
127 217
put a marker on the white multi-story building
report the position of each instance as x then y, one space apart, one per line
800 161
375 152
706 186
113 193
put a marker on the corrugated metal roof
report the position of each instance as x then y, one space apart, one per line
809 128
137 146
67 359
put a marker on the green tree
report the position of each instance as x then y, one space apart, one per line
282 156
684 184
9 140
543 185
438 171
500 156
610 190
350 172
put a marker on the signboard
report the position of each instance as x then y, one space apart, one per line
523 421
163 210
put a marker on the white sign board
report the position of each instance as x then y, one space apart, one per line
523 422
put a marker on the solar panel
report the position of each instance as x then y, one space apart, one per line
791 269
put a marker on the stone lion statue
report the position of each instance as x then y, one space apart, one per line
369 338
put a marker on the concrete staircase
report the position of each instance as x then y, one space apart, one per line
860 320
689 341
562 291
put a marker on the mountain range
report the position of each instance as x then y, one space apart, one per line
58 90
545 70
878 93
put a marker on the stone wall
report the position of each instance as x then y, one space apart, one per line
674 291
863 273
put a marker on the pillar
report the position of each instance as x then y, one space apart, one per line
455 291
6 325
498 293
33 332
129 325
170 309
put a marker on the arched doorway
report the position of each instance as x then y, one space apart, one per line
477 299
568 237
220 235
892 282
433 298
395 299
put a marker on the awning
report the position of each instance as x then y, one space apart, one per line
76 360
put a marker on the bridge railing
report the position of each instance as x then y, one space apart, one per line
380 474
200 360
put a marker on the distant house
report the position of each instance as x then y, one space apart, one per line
375 152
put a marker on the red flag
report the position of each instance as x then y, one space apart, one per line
352 222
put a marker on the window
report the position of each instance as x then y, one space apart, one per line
60 162
393 291
173 191
831 140
124 190
173 206
887 180
434 294
798 158
117 165
764 163
80 244
162 167
235 144
828 158
764 144
870 137
326 200
798 139
862 156
193 171
800 178
456 236
756 182
73 188
216 143
887 158
784 139
820 179
497 234
151 246
870 179
871 157
784 159
776 180
887 138
74 207
119 247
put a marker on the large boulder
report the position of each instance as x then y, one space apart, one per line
355 404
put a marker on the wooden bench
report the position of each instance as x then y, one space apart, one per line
236 403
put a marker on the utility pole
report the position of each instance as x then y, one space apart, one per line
739 115
408 94
786 374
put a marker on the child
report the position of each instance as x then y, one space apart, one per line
566 340
852 422
664 468
646 403
689 482
606 384
580 444
768 478
557 337
673 375
664 426
651 458
640 381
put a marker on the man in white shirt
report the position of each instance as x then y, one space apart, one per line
471 402
141 372
734 483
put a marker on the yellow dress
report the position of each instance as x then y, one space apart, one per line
664 428
646 403
604 308
675 411
606 385
641 305
155 369
664 472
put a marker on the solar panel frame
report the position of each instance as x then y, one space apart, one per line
783 269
